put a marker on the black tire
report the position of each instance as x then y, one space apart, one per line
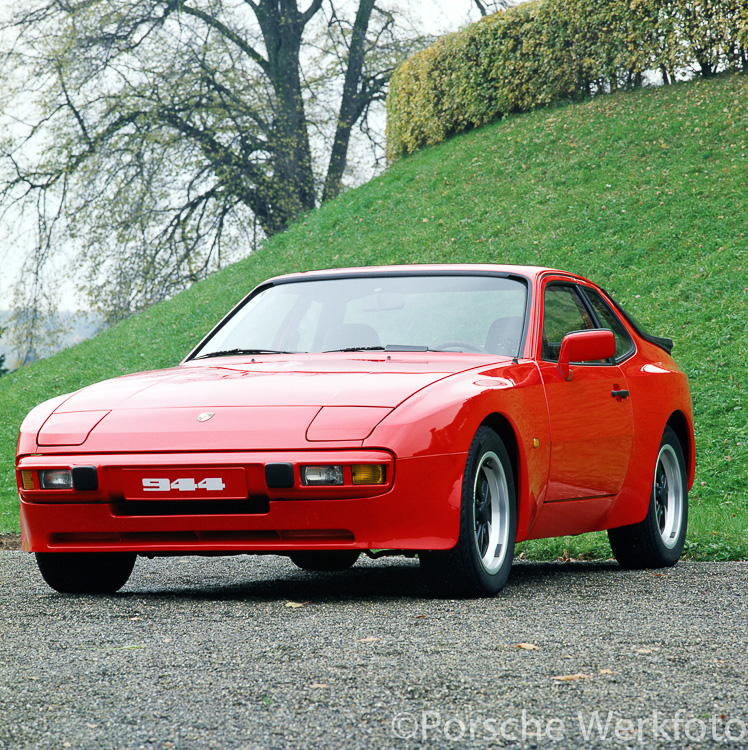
86 572
479 564
320 561
657 541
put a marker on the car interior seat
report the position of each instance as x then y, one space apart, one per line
504 336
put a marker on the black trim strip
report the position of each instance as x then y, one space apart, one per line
574 499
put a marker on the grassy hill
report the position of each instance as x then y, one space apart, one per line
645 192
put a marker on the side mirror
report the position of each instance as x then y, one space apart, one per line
585 346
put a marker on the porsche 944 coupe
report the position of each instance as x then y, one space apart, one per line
447 411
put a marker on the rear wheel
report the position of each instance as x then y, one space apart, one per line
325 560
657 541
480 562
85 572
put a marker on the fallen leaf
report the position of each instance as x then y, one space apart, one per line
572 677
319 685
528 646
643 650
296 605
606 671
370 639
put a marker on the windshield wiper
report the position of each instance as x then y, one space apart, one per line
388 348
355 349
230 352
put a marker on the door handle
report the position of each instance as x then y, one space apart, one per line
620 394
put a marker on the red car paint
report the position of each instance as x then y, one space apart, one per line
583 449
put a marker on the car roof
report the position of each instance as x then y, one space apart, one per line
531 272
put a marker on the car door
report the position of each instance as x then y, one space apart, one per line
590 415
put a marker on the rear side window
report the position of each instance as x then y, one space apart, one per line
607 319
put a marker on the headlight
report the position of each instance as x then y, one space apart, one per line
326 475
56 479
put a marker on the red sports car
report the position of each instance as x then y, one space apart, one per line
443 410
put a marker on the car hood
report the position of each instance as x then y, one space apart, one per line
267 403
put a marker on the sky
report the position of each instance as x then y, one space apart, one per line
433 16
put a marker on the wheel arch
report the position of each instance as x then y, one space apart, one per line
505 430
678 422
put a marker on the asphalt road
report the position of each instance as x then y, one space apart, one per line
208 653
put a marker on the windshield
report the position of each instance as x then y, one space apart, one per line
399 313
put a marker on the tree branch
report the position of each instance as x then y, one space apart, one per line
227 33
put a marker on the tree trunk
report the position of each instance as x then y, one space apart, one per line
292 180
352 102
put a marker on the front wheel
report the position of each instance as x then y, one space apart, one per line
85 572
480 562
657 541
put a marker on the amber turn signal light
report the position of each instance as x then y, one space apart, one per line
369 474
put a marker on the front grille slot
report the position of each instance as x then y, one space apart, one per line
131 508
158 539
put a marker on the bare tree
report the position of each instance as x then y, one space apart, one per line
157 136
487 7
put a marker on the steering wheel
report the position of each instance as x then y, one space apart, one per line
459 345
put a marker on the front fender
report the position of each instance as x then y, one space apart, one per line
443 418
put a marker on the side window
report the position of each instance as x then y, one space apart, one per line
563 312
624 342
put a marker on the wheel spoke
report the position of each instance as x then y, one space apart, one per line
483 502
661 516
482 539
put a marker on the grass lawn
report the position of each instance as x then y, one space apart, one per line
645 192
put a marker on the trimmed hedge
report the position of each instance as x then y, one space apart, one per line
551 50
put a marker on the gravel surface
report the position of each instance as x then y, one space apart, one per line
10 541
217 653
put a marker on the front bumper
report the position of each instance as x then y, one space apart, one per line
418 508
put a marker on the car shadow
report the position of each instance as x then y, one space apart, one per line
378 581
370 582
